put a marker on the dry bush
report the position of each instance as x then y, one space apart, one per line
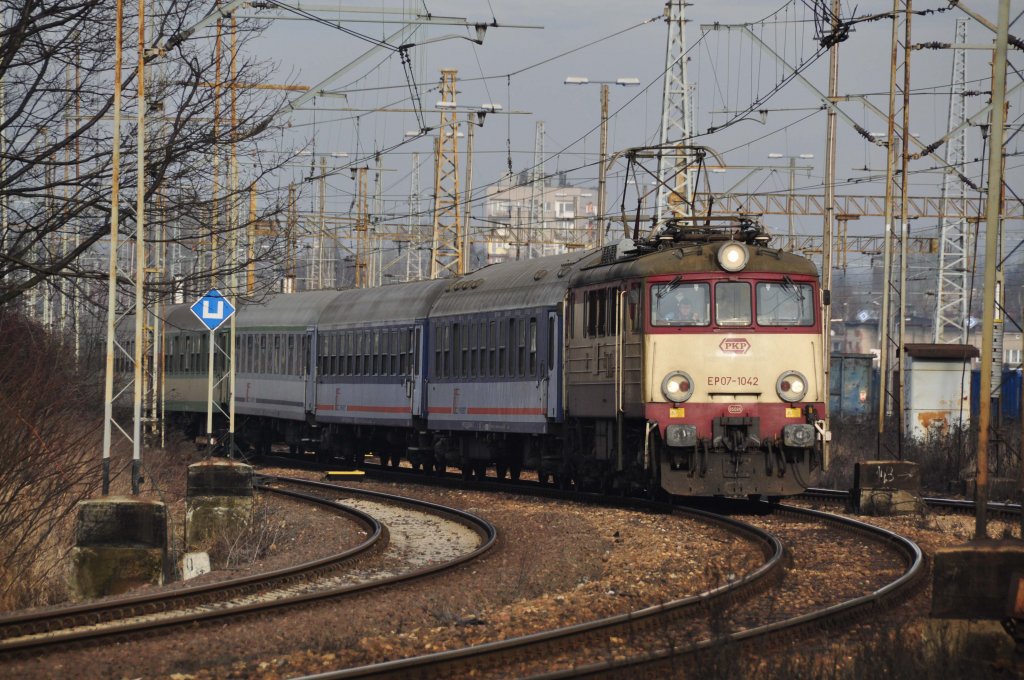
946 461
246 544
49 441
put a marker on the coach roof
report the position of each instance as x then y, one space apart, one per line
524 284
394 303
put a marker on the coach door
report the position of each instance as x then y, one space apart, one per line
554 339
310 372
414 386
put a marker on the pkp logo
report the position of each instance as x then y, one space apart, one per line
734 345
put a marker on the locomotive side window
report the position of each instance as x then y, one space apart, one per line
591 314
784 303
732 303
612 317
676 304
634 307
571 316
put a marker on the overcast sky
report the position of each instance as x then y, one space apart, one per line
523 70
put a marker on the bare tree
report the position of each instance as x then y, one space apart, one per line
56 65
47 462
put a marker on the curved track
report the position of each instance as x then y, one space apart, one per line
614 637
100 621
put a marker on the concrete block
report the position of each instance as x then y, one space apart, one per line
110 570
1000 489
887 487
124 521
973 581
207 517
219 477
121 543
982 643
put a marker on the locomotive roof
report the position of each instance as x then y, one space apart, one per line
285 310
540 282
697 258
399 302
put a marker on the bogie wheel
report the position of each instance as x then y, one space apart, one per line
480 469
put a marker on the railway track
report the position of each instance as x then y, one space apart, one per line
838 496
617 639
309 582
498 657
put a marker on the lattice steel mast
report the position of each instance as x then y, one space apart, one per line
951 294
446 250
676 117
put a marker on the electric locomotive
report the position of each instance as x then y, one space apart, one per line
694 364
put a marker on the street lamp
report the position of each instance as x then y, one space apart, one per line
601 175
792 188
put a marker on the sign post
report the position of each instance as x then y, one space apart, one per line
212 310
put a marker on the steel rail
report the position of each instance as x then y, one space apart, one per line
961 505
459 662
95 613
805 624
483 528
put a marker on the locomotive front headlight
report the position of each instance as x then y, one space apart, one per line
677 386
791 386
733 257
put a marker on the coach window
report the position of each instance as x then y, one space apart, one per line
349 358
456 359
367 352
502 348
338 352
481 338
533 346
380 361
492 349
450 336
510 370
784 303
438 351
395 352
464 370
521 355
357 353
373 358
